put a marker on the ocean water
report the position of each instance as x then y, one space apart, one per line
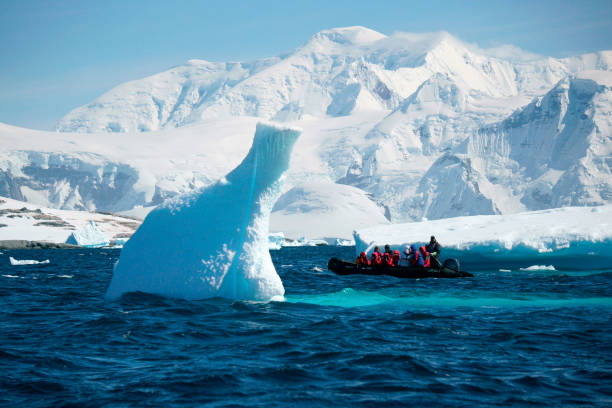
502 338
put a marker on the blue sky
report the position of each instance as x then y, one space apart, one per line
57 55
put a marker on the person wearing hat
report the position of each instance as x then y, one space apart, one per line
362 260
405 258
388 256
377 258
434 251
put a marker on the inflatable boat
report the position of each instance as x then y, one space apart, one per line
449 269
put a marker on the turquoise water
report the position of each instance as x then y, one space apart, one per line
356 298
502 338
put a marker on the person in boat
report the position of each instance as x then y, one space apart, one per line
396 257
362 260
415 259
434 251
388 256
425 255
376 259
405 258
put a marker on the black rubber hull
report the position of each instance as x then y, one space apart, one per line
340 267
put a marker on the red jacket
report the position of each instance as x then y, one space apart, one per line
376 258
388 259
425 255
362 259
396 257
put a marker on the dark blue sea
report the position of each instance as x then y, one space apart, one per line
502 338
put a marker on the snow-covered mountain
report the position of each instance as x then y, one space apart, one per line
418 125
338 72
555 152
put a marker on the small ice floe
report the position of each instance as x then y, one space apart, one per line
27 261
12 276
64 276
505 270
539 268
317 269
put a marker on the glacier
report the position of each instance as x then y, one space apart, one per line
570 237
213 242
418 125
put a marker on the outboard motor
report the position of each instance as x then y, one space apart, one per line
452 264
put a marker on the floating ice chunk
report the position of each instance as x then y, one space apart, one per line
343 242
303 241
539 268
276 240
27 261
89 237
213 242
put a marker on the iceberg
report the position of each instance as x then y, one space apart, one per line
303 242
15 262
213 242
569 237
276 240
89 237
539 268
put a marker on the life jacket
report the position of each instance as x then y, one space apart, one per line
376 258
388 259
415 258
425 256
362 259
405 258
396 257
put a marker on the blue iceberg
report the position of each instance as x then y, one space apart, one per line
89 237
213 242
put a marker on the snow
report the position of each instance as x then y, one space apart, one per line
89 236
26 261
419 125
26 221
575 236
214 241
319 210
598 76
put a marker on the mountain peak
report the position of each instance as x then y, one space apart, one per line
355 35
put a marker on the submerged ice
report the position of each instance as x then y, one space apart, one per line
213 242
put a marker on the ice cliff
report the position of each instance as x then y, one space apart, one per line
213 242
576 237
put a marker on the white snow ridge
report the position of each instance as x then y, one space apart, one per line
213 242
574 237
